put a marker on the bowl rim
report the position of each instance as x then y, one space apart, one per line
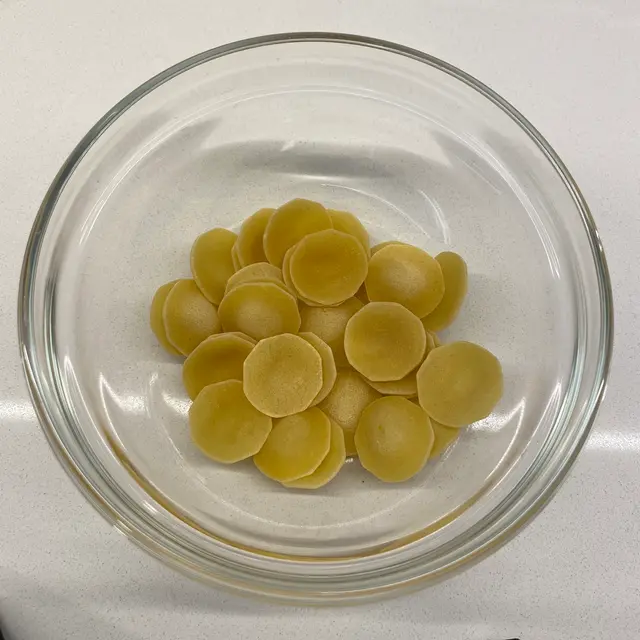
501 532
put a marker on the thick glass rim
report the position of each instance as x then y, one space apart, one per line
491 533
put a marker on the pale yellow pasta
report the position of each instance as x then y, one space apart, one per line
394 438
216 359
454 273
329 324
348 223
327 267
443 438
436 340
282 375
406 387
346 401
256 272
329 371
384 341
289 224
224 424
211 262
155 317
296 446
459 383
407 275
329 467
259 309
249 246
384 244
188 317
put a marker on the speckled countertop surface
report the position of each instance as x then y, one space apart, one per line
572 67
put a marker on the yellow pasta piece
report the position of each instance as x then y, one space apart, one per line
443 437
382 245
259 309
188 317
384 341
328 267
329 371
282 375
155 317
329 467
407 275
329 324
296 446
216 359
256 272
459 383
346 401
348 223
406 387
249 246
235 261
211 262
225 425
436 340
454 273
394 438
289 224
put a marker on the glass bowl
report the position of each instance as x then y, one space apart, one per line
420 151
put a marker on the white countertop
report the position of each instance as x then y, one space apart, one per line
571 66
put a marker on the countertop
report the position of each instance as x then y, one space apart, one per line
571 66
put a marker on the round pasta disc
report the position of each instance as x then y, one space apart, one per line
329 371
454 273
394 438
259 309
235 261
216 359
384 244
346 401
249 246
406 387
211 262
291 287
289 224
296 446
329 467
256 272
384 341
282 375
155 317
188 317
329 324
348 223
224 424
407 275
459 383
443 437
327 267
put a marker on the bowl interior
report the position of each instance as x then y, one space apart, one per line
414 152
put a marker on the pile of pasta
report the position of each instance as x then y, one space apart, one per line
305 346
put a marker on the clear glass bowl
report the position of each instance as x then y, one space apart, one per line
421 152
